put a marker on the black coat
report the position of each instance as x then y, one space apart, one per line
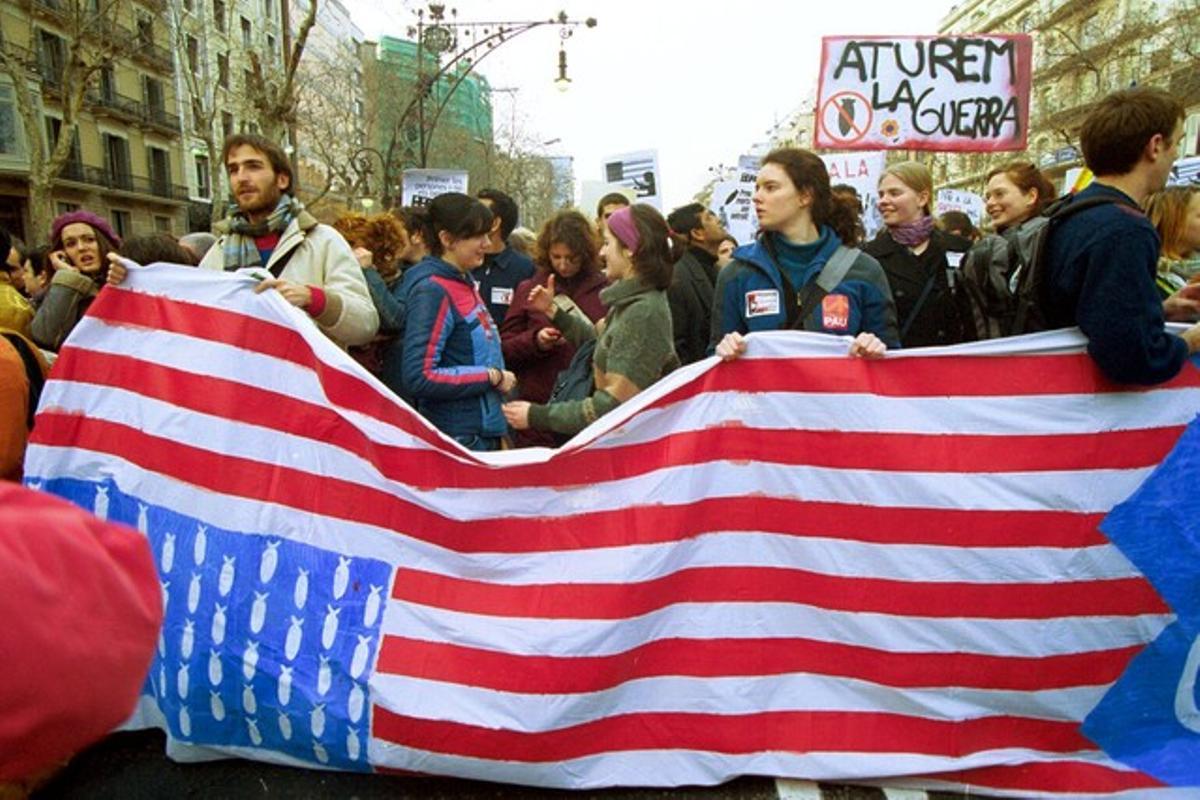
945 316
691 299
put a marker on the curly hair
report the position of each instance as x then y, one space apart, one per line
1168 211
382 234
572 229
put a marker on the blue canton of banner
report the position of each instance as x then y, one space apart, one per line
1150 718
266 643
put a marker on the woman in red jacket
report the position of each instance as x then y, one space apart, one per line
533 348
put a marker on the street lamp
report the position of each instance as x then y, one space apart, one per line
439 36
562 82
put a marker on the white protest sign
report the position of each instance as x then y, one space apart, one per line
733 201
1186 172
862 171
969 203
960 93
639 172
422 185
594 190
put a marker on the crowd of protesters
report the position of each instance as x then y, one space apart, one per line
475 321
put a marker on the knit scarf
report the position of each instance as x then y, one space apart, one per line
239 248
911 234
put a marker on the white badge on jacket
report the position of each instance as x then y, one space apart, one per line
502 296
762 302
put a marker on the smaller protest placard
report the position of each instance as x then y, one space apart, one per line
733 201
592 191
964 93
861 171
969 203
638 172
422 185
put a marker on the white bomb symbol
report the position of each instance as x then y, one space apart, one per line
181 681
143 523
362 652
268 562
185 722
225 579
168 553
283 690
200 544
316 720
341 577
162 645
291 645
166 595
187 640
162 680
249 660
329 630
193 599
352 744
218 625
324 676
218 705
285 726
300 591
356 703
252 729
249 701
319 752
100 504
371 612
214 668
258 612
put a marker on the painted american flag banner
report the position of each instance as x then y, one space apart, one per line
794 565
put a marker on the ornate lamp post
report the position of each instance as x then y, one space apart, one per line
447 52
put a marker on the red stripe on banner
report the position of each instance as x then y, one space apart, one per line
422 468
1068 777
930 376
1115 597
626 526
123 307
714 658
802 732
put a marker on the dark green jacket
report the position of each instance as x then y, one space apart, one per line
634 350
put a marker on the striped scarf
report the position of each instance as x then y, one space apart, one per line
239 248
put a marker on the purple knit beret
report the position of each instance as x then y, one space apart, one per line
98 223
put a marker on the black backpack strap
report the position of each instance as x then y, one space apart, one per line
916 309
282 261
834 272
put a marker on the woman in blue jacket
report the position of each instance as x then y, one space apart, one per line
453 366
802 227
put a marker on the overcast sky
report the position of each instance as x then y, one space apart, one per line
700 81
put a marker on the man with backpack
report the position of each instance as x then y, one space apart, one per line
1099 263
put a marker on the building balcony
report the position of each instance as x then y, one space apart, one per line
52 10
162 119
123 182
115 104
150 54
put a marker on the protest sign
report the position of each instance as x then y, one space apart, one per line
422 185
862 171
1186 172
733 201
639 172
964 93
592 191
969 203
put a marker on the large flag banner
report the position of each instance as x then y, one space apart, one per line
963 93
798 564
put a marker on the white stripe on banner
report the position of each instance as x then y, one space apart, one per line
428 699
1032 638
